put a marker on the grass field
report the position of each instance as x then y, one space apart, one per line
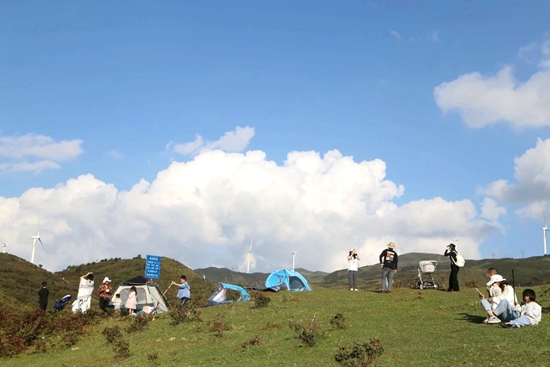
416 328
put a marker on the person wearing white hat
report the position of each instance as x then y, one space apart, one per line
105 293
388 263
502 308
353 267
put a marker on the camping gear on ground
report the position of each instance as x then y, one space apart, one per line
222 295
291 279
60 305
148 294
425 279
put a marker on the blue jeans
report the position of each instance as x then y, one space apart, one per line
387 278
504 310
521 321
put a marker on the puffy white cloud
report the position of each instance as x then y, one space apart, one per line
35 153
231 141
204 212
482 100
490 210
115 154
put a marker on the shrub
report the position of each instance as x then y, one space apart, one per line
338 321
138 323
252 342
261 300
112 334
471 283
153 358
271 325
187 313
122 349
360 354
308 333
398 283
218 326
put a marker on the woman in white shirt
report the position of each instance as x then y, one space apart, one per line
353 267
501 308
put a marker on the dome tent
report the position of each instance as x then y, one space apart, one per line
148 294
291 279
221 295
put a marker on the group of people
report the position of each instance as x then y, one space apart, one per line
502 305
105 291
388 263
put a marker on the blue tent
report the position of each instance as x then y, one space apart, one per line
219 296
291 279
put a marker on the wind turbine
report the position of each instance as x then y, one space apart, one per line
544 229
36 238
5 245
248 256
293 258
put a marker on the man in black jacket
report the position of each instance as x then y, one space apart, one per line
388 263
43 294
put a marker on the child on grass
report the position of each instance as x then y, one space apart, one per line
117 302
531 312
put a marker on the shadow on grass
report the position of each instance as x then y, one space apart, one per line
475 319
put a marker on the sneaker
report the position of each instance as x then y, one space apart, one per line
493 320
486 320
506 325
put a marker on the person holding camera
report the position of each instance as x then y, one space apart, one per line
453 278
353 267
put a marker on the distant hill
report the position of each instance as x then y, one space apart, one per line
527 272
224 275
21 280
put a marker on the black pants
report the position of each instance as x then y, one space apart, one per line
184 300
103 303
43 306
453 279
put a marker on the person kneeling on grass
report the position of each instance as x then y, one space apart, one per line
531 312
501 308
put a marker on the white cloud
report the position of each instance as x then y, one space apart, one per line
395 34
205 211
115 154
482 100
35 153
532 173
435 36
231 141
490 210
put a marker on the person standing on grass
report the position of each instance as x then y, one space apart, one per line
131 302
388 263
43 295
184 291
450 251
105 292
353 267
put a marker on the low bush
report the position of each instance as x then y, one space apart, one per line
338 321
360 354
308 333
138 323
187 313
261 300
252 342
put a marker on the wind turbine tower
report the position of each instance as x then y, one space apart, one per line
5 245
293 258
36 239
248 256
544 230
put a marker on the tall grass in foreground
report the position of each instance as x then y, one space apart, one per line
405 328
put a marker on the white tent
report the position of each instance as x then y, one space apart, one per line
148 294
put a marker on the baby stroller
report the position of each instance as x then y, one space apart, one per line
59 305
425 278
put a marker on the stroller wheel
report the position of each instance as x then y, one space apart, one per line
421 286
436 286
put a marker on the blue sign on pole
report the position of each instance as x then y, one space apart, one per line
152 267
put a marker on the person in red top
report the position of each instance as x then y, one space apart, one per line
105 292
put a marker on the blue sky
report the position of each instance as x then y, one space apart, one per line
126 79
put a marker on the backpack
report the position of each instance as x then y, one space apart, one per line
460 262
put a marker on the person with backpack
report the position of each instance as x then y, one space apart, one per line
388 263
457 261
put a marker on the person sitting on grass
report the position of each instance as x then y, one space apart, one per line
500 308
493 291
530 314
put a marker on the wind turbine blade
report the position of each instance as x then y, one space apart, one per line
10 240
41 243
5 244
